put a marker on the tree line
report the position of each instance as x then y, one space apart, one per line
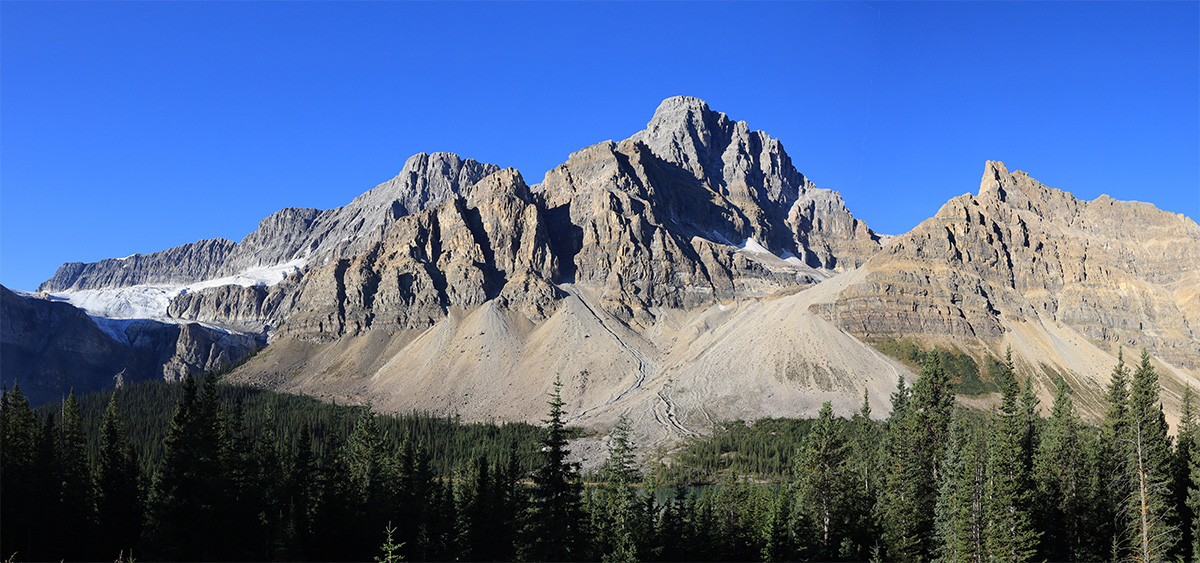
933 481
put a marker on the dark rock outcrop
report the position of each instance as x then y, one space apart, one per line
49 348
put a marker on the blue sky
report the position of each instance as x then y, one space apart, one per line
132 127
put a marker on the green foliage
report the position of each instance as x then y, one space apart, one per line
1149 508
450 443
241 474
960 519
552 531
764 448
1011 535
966 375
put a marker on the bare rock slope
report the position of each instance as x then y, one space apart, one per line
1024 264
685 275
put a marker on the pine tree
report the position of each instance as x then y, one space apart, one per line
1185 444
822 482
182 523
960 519
118 496
917 436
19 437
618 522
862 466
1112 458
1011 535
49 535
1193 500
1060 466
1149 508
77 501
552 530
300 492
778 541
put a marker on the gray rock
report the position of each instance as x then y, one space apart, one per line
50 348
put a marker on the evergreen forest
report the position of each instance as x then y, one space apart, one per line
202 471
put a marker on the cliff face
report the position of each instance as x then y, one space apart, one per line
682 276
1119 272
289 234
49 348
694 209
491 244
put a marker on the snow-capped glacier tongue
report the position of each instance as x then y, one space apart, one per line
152 301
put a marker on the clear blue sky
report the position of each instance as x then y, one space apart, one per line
131 127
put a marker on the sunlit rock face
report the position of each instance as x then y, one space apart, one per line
1121 272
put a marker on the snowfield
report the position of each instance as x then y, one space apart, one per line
151 301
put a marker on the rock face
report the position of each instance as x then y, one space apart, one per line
1062 281
682 276
657 220
289 234
49 348
179 265
489 244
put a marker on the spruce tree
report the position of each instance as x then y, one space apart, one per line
78 491
19 437
1011 535
822 482
1193 500
1184 446
960 519
1149 513
182 522
552 531
917 435
778 541
1059 467
1112 457
862 467
618 521
118 497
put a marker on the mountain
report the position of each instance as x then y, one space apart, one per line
682 276
49 348
1066 283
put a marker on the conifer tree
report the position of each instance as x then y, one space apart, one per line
778 541
1059 467
917 435
1011 535
118 497
552 531
181 521
862 467
1184 445
961 521
1112 457
77 500
822 482
1193 499
300 493
618 522
19 437
1149 513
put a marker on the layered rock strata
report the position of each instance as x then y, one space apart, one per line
1125 273
427 180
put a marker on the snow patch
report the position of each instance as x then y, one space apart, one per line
752 245
151 301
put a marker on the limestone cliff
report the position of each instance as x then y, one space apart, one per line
1026 265
427 180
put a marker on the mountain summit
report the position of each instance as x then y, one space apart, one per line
685 275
